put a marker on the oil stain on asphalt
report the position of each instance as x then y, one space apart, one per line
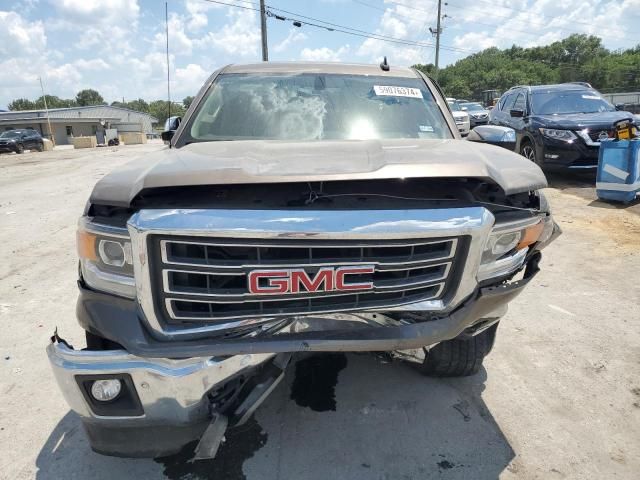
240 445
315 381
313 386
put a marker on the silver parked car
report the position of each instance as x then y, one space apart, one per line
478 114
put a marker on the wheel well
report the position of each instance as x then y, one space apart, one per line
525 140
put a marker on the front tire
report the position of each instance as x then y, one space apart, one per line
19 148
528 151
459 357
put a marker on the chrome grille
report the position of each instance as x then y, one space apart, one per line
205 280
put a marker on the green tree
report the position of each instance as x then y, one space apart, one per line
89 97
575 58
138 105
427 69
160 110
186 102
54 102
21 104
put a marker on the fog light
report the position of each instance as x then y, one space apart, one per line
106 390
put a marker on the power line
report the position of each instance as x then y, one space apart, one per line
340 28
411 7
359 33
234 5
493 25
492 4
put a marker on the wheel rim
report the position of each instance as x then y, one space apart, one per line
529 153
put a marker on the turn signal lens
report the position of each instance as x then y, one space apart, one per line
530 235
86 245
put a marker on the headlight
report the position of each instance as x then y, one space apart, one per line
105 258
507 247
564 135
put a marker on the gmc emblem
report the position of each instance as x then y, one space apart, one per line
327 279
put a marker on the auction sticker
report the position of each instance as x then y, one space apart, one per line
397 91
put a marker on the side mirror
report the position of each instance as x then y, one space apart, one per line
170 127
516 113
494 135
167 135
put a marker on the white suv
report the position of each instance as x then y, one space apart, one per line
462 118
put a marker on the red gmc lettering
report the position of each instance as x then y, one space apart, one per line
278 281
324 275
326 279
342 272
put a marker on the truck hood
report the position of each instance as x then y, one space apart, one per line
258 161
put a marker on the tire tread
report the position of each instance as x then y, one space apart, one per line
459 357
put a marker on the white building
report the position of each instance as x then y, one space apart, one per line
67 123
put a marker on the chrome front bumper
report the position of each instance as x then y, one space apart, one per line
171 391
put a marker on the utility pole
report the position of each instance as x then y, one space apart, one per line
46 109
263 30
438 32
166 23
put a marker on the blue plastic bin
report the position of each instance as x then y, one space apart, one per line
618 175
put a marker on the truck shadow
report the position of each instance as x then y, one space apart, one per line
335 416
572 180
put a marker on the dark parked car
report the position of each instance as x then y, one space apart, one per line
558 126
20 140
478 115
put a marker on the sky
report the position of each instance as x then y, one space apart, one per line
118 46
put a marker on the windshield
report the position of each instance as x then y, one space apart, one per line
316 107
569 101
10 134
455 107
473 106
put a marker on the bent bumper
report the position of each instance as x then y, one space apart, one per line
173 395
173 392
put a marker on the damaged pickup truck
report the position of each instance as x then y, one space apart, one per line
298 208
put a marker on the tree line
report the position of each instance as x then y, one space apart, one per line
577 58
87 97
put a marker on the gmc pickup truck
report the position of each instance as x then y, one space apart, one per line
303 207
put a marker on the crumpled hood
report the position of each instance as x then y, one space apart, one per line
257 161
579 121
